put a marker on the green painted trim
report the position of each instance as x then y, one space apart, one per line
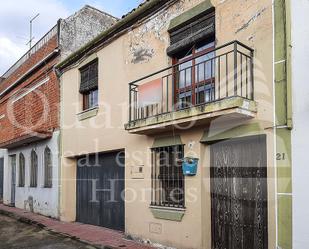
284 160
279 18
186 16
168 214
166 141
289 63
239 131
88 114
280 66
285 222
283 68
281 95
283 110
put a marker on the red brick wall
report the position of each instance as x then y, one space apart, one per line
49 47
38 111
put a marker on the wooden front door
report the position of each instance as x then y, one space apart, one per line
1 178
239 193
100 190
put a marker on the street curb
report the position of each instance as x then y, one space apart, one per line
42 226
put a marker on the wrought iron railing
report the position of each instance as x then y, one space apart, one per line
223 72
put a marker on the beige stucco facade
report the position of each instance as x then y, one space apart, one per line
247 21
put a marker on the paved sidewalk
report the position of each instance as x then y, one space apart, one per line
96 236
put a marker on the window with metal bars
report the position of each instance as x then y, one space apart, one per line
167 177
21 182
33 169
48 168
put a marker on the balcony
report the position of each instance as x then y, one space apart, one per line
216 83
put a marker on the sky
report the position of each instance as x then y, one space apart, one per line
16 14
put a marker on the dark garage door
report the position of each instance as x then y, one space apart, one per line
1 179
239 193
100 186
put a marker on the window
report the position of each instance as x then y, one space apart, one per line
192 49
33 169
90 99
195 83
48 168
89 85
21 182
167 177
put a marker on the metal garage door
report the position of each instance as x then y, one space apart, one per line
100 186
239 193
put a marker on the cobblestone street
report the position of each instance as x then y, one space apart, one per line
17 235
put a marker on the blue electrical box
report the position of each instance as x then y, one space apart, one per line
189 166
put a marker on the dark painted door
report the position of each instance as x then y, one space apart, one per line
239 193
13 179
1 179
100 190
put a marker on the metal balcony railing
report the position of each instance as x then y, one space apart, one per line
217 74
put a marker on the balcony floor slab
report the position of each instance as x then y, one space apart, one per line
232 108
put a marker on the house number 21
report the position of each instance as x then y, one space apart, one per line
280 156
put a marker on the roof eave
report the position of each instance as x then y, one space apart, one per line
122 24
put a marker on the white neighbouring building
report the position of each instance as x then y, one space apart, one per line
300 134
29 114
42 199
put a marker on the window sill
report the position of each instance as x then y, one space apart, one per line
168 213
89 113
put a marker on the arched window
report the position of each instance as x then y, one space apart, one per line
21 182
34 170
48 168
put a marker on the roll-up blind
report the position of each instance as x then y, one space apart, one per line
193 31
89 77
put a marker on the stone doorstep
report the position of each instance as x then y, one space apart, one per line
39 220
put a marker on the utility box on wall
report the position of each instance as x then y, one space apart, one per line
189 166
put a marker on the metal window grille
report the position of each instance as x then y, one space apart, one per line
48 168
167 177
21 170
34 169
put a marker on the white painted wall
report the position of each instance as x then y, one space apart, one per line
45 200
300 133
3 154
6 188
